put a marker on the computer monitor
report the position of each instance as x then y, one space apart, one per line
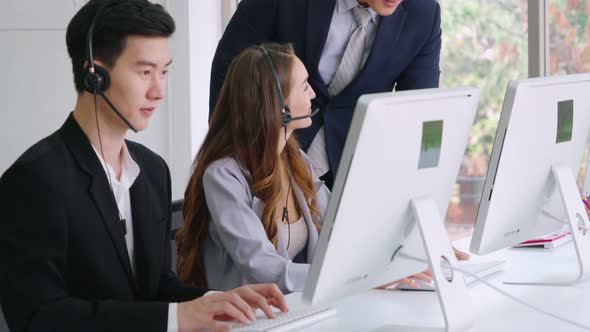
398 167
536 156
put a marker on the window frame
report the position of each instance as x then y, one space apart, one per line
538 38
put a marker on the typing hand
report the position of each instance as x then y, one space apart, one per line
462 256
425 276
263 297
410 281
209 311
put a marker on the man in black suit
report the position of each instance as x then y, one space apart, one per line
84 242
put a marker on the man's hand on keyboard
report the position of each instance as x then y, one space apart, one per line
263 297
239 304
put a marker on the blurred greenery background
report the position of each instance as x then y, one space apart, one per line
485 44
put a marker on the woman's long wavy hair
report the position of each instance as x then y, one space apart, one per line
246 125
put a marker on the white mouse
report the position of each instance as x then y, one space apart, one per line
422 286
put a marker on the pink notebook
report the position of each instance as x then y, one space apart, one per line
550 240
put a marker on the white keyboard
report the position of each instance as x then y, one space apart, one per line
287 321
480 267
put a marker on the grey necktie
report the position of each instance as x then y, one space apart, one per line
352 59
349 67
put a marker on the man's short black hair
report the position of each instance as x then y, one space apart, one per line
117 20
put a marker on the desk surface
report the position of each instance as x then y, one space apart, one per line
372 310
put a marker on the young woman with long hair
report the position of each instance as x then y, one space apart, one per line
253 205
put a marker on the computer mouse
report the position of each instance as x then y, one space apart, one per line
422 286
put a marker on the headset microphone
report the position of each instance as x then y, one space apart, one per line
96 80
316 111
286 119
117 112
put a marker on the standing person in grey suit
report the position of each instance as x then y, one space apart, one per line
254 205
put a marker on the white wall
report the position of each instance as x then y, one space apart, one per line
36 86
37 89
193 46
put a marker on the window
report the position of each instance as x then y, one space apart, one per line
569 36
485 46
568 40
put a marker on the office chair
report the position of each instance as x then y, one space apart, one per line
175 224
3 327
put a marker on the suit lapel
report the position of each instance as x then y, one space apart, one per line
148 228
105 202
99 189
319 18
385 42
320 14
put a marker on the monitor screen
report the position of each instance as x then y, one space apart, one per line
544 124
401 146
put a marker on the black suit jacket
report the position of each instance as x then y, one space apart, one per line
63 259
405 54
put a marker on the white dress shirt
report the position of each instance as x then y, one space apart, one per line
120 187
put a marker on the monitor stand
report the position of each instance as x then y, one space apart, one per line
575 215
452 295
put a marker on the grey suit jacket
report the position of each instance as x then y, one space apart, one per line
237 250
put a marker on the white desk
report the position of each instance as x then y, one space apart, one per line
372 310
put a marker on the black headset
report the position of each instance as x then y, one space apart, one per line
96 79
286 117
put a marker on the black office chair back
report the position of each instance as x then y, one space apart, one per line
3 327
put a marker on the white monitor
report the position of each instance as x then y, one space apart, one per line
536 157
399 164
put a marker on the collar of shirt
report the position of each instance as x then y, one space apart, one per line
346 5
129 170
129 173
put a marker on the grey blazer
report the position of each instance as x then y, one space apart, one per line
237 250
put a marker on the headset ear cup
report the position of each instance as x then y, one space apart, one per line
286 117
98 82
